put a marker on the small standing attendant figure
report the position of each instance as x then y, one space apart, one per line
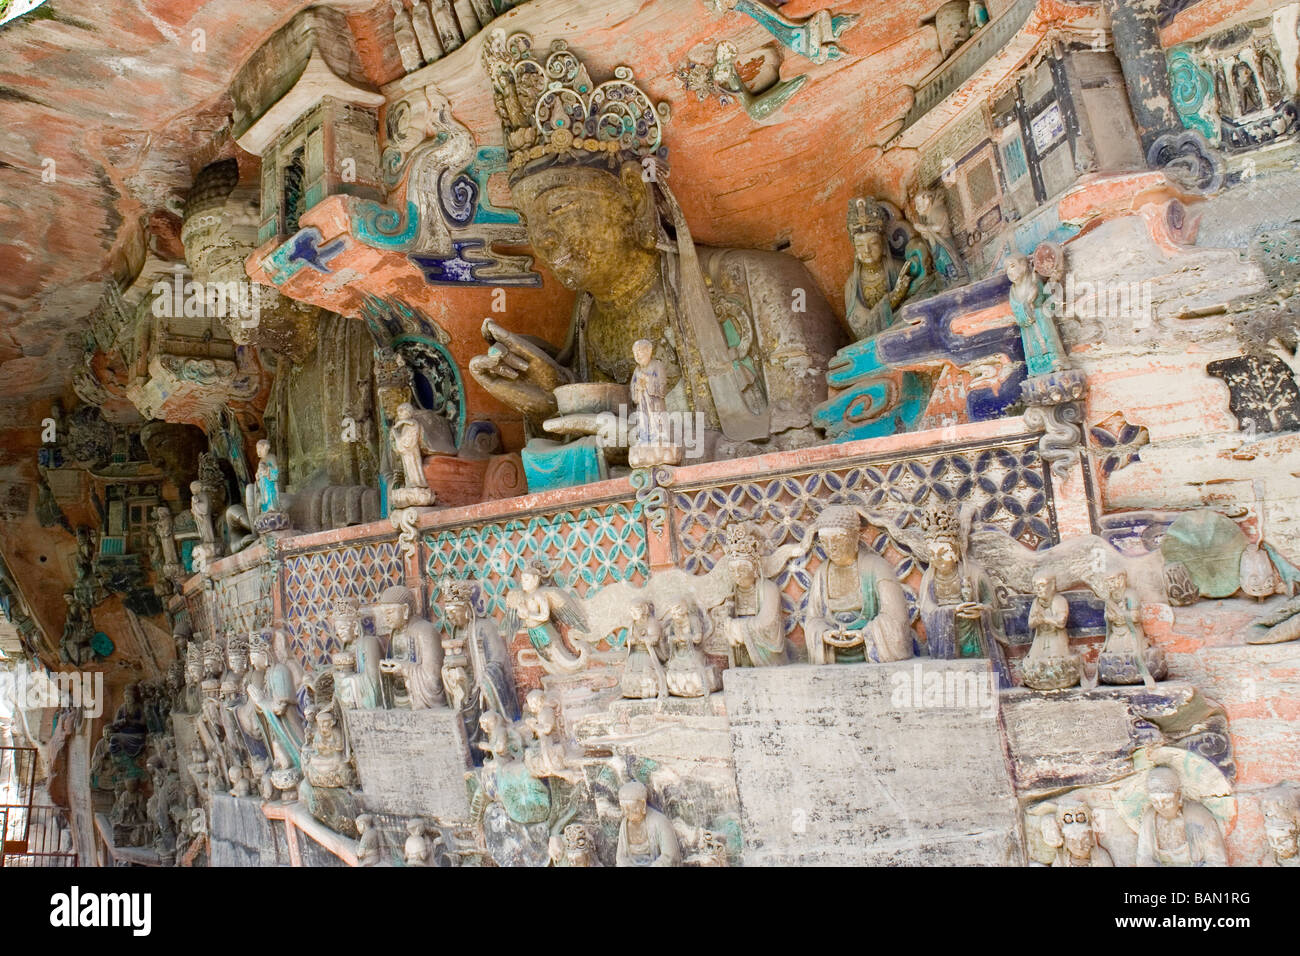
1126 658
410 445
270 517
1049 665
1044 352
649 388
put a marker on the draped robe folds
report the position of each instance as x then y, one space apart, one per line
424 674
369 679
1204 846
762 636
950 637
660 847
493 678
882 618
278 692
867 320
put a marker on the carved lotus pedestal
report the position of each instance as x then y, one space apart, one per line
1051 673
1123 669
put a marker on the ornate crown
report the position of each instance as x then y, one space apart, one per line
346 610
743 542
258 642
866 215
453 590
553 110
941 521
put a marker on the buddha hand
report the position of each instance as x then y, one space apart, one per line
518 371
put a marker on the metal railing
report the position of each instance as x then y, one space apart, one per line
30 834
36 836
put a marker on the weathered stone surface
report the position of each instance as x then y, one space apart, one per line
411 762
240 835
845 765
1066 739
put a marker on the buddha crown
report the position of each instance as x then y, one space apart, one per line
941 522
866 215
552 110
454 590
743 542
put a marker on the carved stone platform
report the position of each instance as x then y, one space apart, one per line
856 764
1069 738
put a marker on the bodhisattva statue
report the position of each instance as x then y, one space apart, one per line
754 629
878 284
366 653
328 763
1031 306
958 602
645 836
476 671
652 443
857 610
410 445
1176 831
201 508
1126 658
585 175
272 689
548 755
643 671
242 714
416 651
1049 665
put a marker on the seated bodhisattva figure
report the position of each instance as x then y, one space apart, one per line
739 341
856 607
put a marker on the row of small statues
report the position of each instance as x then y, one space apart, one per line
646 838
856 611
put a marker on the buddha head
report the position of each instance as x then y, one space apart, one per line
1044 587
595 228
632 801
1165 791
838 530
578 156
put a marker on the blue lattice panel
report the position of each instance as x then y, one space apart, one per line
315 580
585 549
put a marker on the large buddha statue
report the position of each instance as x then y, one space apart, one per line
744 335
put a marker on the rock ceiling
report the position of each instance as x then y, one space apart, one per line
122 103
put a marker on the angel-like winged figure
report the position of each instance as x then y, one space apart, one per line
540 609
